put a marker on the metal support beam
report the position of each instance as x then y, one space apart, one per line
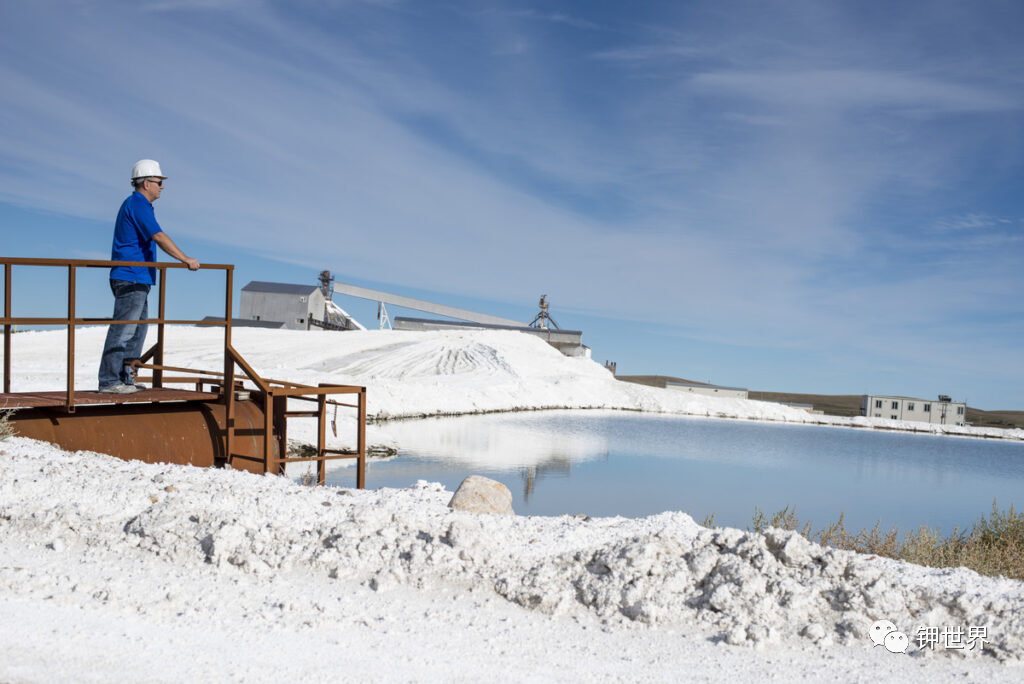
422 305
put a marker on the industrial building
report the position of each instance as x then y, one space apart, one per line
303 307
569 342
945 411
294 307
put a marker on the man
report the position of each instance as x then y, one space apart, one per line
135 231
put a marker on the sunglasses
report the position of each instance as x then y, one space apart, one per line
160 182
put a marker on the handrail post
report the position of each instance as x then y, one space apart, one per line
158 375
7 328
229 372
280 423
228 277
321 439
71 338
270 463
361 461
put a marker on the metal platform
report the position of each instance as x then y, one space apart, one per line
152 395
244 427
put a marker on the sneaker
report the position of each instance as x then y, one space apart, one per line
139 387
119 388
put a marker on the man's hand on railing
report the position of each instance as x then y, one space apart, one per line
167 244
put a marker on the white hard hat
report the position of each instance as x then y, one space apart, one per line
147 168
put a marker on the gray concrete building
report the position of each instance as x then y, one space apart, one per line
944 411
293 305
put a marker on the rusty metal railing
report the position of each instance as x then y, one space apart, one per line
72 321
275 393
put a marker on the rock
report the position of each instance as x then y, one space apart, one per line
788 546
814 631
479 494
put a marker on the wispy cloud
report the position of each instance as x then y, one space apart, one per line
178 5
972 222
648 53
742 178
556 18
848 88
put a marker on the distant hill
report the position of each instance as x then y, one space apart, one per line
832 404
1000 419
843 404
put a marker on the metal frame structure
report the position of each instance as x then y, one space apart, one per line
542 317
418 304
274 394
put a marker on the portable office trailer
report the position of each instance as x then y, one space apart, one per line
943 411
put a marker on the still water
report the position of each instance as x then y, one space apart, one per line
604 463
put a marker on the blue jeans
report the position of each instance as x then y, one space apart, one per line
124 342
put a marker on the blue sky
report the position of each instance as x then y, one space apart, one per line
792 196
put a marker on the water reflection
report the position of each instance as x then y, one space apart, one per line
616 463
533 449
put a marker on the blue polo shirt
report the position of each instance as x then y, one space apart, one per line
133 240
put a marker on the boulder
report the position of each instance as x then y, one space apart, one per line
479 494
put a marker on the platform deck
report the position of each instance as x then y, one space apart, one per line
94 398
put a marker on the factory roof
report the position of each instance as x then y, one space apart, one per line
948 400
242 322
694 383
279 288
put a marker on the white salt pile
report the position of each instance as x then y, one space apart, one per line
415 374
123 571
166 554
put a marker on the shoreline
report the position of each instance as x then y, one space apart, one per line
945 431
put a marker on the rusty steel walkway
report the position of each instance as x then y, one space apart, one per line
242 427
153 395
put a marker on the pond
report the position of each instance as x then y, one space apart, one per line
604 463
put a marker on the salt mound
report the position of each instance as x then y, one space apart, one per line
412 374
420 358
740 587
755 588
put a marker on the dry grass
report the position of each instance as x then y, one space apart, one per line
994 546
6 427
